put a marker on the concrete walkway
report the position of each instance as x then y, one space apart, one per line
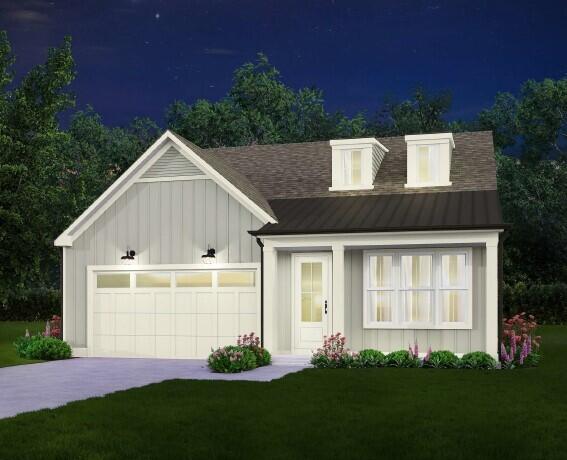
32 387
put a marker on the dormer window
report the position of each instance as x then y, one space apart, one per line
352 166
429 160
355 163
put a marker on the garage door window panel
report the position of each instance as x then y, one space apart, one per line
153 280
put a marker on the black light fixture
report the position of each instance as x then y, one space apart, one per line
209 257
129 258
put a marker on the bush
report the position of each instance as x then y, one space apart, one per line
401 358
44 348
231 359
32 305
442 359
519 342
547 302
369 358
333 353
252 342
477 360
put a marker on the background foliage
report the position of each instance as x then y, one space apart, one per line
49 175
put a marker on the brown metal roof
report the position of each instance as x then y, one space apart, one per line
303 170
380 213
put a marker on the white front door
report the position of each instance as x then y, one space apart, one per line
311 300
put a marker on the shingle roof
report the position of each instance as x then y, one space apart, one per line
291 183
233 175
304 170
395 212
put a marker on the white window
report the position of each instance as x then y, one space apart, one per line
354 163
418 289
427 164
429 160
352 167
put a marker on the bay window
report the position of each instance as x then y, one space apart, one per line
418 289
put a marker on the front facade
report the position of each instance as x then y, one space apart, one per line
390 241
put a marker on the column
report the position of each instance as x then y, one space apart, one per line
338 307
270 296
492 298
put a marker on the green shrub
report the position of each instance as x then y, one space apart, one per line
442 359
253 343
333 353
477 360
44 348
231 359
401 358
547 302
369 358
345 360
31 305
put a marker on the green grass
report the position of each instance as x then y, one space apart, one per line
356 413
9 330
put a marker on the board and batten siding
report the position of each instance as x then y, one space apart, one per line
165 223
386 340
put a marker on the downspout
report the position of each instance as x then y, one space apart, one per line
259 241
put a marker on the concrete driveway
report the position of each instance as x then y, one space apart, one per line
47 385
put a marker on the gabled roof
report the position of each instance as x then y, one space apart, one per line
304 170
235 177
234 182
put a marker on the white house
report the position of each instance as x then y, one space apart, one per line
389 241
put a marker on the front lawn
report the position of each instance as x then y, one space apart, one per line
9 330
352 413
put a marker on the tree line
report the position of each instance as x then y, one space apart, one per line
49 175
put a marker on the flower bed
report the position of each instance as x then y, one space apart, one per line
246 355
519 348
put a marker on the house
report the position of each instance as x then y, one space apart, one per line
389 241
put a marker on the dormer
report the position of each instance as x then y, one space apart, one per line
429 160
355 163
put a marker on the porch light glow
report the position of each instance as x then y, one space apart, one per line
209 257
129 258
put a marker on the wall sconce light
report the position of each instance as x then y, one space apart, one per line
129 258
209 257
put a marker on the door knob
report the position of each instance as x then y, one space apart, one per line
325 307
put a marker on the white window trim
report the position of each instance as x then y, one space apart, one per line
397 290
412 182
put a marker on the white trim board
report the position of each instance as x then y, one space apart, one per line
134 174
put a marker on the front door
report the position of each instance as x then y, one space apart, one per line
311 300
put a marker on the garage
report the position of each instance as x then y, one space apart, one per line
170 311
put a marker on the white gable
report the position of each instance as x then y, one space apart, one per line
143 165
172 164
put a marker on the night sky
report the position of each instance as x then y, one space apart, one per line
134 57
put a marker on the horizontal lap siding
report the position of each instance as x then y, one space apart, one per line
165 223
458 341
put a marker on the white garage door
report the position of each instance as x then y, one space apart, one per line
171 313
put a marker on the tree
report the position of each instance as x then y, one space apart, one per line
260 109
422 114
542 119
501 119
31 167
533 202
535 123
